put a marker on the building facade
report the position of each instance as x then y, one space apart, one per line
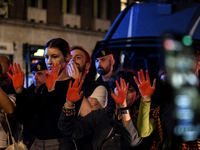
80 22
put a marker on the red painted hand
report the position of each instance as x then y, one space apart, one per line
73 91
145 85
121 97
18 76
51 78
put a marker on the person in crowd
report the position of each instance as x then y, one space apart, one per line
47 103
104 62
149 122
79 64
96 94
7 99
78 67
38 71
113 127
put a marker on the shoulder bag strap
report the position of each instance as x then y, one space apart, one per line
12 139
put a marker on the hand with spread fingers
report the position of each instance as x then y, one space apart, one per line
73 71
144 85
121 94
18 76
52 77
73 93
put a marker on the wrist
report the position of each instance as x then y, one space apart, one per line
50 90
146 99
69 110
124 108
125 111
69 105
19 90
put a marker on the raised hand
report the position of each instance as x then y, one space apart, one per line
122 89
72 70
51 78
18 76
144 85
73 91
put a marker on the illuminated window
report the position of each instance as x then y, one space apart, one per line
66 6
124 3
96 8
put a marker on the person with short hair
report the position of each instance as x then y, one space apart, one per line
38 71
78 67
104 62
80 62
95 93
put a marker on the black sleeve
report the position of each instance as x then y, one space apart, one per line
78 127
28 105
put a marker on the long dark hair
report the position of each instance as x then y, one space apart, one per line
59 43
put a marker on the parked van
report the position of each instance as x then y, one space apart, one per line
136 35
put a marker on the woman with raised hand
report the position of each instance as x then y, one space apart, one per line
47 103
112 127
149 122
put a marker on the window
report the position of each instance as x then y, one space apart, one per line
96 9
65 6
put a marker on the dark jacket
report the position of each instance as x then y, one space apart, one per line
108 133
106 85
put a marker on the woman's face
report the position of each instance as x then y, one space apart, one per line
130 95
54 55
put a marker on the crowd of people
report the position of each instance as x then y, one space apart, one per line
64 109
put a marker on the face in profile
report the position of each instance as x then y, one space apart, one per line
39 77
54 55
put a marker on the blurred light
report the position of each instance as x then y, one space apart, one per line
172 45
183 101
169 44
170 61
184 114
40 52
187 40
192 79
122 58
177 80
190 136
34 61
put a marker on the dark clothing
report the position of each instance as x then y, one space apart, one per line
45 107
30 128
9 89
89 87
108 133
106 84
31 89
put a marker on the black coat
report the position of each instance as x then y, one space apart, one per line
107 132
